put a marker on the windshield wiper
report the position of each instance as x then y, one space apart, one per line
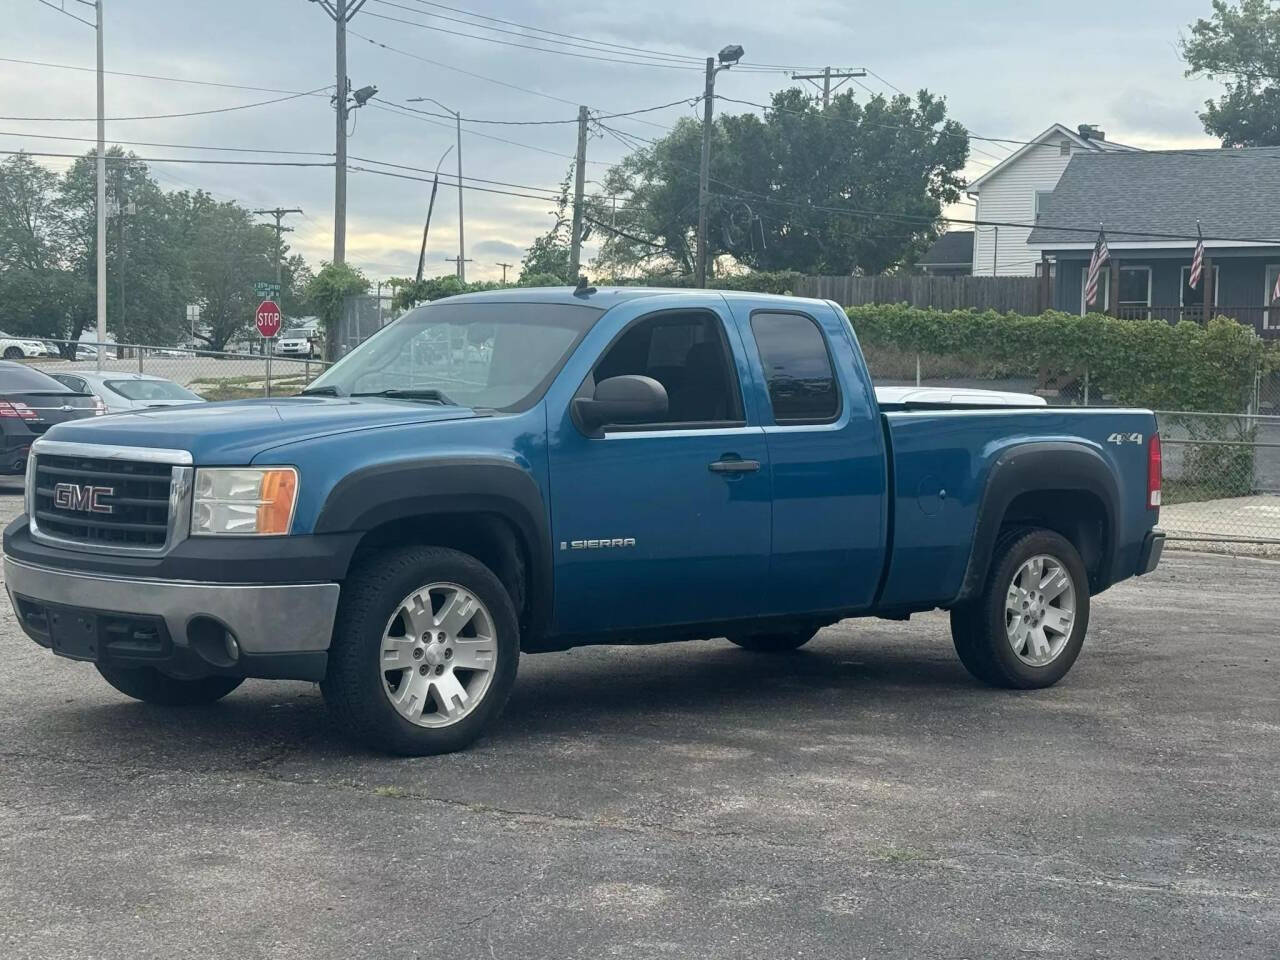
425 394
322 392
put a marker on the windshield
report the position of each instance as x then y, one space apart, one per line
498 356
151 391
298 334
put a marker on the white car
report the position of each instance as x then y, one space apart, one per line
957 395
19 348
296 342
129 391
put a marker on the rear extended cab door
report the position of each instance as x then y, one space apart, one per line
828 465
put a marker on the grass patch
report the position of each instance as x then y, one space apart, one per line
390 792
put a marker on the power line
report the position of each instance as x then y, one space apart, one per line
170 116
465 186
527 46
175 146
417 115
242 163
570 36
500 183
150 76
546 123
480 76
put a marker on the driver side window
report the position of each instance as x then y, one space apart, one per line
688 354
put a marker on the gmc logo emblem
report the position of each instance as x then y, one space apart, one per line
83 497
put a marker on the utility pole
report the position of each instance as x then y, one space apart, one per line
458 265
102 194
728 57
341 12
279 213
457 119
504 267
431 205
579 174
826 76
120 209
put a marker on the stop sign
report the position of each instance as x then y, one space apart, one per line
268 318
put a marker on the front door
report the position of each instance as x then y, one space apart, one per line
664 523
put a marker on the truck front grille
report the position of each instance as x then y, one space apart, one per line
102 502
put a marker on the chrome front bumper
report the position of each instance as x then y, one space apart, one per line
265 619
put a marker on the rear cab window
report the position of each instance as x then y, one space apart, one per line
798 371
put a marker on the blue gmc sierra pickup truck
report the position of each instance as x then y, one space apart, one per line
530 470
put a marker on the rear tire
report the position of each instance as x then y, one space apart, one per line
785 641
1027 626
13 353
395 610
151 686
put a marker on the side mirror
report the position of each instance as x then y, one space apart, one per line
626 399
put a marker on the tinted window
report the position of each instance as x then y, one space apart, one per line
15 376
687 354
802 385
73 383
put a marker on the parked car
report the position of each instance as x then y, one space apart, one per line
129 391
296 342
629 465
18 348
30 402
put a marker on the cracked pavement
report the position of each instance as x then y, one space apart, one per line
863 798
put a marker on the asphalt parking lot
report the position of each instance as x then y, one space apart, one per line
863 798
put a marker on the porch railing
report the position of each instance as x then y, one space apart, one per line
1265 320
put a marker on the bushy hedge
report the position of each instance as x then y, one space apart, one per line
1145 363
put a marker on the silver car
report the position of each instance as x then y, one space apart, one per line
129 391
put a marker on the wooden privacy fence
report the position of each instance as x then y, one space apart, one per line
1017 294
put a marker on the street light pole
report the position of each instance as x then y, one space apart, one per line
727 57
431 205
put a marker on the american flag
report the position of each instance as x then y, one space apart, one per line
1101 255
1197 260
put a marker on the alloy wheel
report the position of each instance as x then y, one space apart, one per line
1040 610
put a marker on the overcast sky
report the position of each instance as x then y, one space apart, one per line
1008 68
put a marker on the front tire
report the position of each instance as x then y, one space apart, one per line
14 353
1026 628
784 641
151 686
424 652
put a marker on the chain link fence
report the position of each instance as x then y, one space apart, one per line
213 375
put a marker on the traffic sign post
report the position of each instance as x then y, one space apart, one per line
267 318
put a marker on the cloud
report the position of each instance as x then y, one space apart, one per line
498 248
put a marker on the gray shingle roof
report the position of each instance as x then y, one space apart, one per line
1233 193
953 247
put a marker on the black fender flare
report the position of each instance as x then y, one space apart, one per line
1043 465
383 493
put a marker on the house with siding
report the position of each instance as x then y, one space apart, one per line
1014 190
1149 203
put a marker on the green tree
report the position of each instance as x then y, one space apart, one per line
850 187
1239 44
227 251
548 255
40 292
328 291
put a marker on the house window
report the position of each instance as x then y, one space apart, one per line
1102 303
1042 201
1064 148
1135 292
1194 298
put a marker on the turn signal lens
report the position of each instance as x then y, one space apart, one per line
243 501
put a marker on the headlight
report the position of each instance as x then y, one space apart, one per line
243 501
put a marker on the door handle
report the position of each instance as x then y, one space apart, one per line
734 465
